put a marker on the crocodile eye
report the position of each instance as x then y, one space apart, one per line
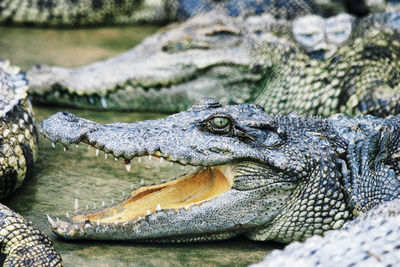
220 122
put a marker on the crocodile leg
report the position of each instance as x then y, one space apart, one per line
24 245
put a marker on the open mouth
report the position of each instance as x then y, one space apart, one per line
200 185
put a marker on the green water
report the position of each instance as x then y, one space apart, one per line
26 47
61 177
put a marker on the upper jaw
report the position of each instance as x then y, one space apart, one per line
175 138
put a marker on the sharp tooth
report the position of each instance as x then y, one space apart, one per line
53 144
53 223
112 201
163 181
105 155
76 206
77 146
103 204
94 205
139 159
148 212
87 207
123 193
128 166
142 182
97 151
158 207
171 164
182 167
132 186
65 148
150 157
58 220
98 222
103 102
67 214
161 159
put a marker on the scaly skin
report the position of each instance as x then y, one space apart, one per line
281 178
237 62
23 244
81 12
18 143
374 239
362 77
98 12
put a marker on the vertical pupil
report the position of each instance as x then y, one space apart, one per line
220 122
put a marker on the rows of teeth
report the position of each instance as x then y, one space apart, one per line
128 161
71 94
128 168
77 209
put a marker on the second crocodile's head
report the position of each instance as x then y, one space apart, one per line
167 72
269 177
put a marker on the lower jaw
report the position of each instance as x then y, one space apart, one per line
138 217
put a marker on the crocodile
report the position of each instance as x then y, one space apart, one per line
269 177
323 67
167 72
212 54
19 240
374 238
99 12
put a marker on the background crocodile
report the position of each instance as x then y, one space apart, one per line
167 72
170 71
280 178
242 60
95 12
24 245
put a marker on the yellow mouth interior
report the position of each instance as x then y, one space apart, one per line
193 188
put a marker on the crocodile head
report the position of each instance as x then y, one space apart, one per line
180 64
269 177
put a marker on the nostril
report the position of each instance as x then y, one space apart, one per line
319 54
